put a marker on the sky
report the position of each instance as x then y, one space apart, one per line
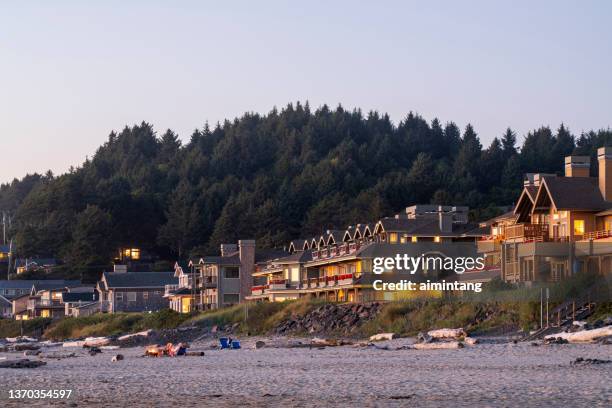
71 72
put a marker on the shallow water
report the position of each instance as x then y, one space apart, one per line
482 375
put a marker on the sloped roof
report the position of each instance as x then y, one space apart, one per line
426 227
232 259
79 297
298 256
139 279
5 248
574 193
263 255
55 284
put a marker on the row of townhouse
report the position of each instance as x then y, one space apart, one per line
559 225
336 265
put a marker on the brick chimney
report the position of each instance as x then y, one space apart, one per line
247 266
577 166
604 157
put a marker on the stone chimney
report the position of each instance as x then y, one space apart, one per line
604 157
227 249
577 166
247 266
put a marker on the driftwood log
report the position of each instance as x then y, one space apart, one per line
583 336
438 346
21 363
383 336
447 333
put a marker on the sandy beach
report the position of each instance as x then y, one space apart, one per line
484 375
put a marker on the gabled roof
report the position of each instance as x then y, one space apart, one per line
139 279
296 244
571 193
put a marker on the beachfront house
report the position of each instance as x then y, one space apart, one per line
338 264
134 291
560 225
45 298
183 296
227 279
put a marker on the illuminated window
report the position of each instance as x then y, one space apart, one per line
126 252
45 313
578 227
135 253
403 239
2 255
415 239
436 239
393 237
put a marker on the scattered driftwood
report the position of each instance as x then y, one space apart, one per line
194 353
21 339
57 356
383 336
21 363
589 361
88 342
31 353
447 333
145 333
555 340
438 346
25 346
470 341
109 347
584 336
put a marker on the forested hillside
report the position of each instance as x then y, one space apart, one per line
271 177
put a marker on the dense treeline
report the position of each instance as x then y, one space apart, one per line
289 173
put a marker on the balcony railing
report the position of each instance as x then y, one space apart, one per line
598 234
258 290
528 232
44 303
170 288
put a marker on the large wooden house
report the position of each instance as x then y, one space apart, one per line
559 226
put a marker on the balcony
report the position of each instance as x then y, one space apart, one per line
278 284
528 232
208 282
595 235
353 247
345 279
258 290
170 288
36 303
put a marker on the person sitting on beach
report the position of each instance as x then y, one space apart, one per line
169 350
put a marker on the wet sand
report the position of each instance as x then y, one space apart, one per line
503 375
